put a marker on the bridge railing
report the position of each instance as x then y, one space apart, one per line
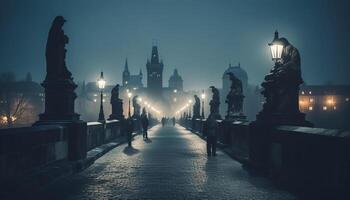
25 149
305 158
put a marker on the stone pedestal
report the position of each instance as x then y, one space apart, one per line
59 109
59 100
77 133
117 110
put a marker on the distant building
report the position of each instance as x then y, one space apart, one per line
22 100
154 72
175 81
327 106
131 81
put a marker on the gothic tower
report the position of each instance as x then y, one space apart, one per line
154 71
126 73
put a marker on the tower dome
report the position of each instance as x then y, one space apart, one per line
175 81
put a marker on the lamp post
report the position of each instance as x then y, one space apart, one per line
203 97
101 85
189 109
129 97
276 47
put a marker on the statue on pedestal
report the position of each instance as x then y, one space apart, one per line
59 93
215 103
58 84
196 107
234 99
117 104
281 88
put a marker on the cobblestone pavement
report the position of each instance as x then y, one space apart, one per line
171 165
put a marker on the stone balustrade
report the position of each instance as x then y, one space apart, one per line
299 157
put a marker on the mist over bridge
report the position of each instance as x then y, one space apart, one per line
173 159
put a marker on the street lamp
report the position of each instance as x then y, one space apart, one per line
129 97
276 47
189 108
101 85
203 97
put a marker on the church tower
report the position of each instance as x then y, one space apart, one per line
126 73
154 71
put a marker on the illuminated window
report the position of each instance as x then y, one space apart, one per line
335 107
302 92
103 100
311 108
310 92
347 99
95 100
95 95
311 100
104 95
324 107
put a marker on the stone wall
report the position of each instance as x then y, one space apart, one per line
24 149
99 133
301 157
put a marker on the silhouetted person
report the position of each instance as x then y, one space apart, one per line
144 122
163 121
129 128
174 121
210 129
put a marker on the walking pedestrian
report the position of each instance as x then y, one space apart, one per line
210 129
129 128
144 122
163 121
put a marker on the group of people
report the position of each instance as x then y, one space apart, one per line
209 130
166 120
129 127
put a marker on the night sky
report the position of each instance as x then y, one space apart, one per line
199 37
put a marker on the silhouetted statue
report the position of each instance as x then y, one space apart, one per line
58 84
56 52
234 99
215 103
281 88
59 93
136 106
117 104
196 107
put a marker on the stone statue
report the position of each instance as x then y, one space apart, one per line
234 99
196 107
58 84
136 106
56 52
281 89
115 93
215 103
117 104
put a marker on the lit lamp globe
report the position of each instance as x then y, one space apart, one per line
203 95
276 47
101 82
129 95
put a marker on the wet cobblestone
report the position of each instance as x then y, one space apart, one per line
171 165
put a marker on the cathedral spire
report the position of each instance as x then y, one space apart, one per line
126 66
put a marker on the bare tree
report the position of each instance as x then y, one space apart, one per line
13 103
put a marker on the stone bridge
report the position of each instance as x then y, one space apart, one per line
278 156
